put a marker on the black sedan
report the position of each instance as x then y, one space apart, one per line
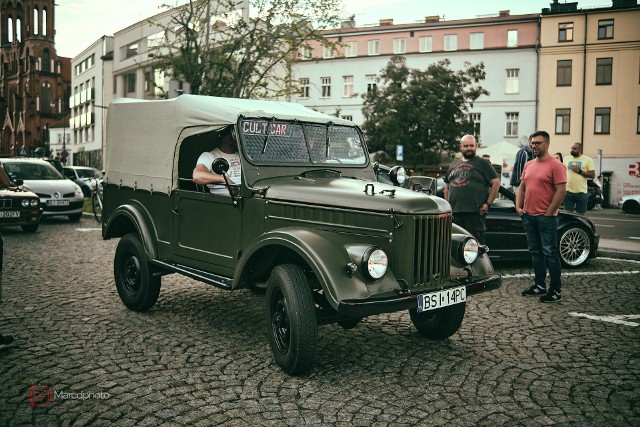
506 239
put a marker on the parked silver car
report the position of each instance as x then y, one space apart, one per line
86 177
58 195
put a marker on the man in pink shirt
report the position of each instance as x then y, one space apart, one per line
541 191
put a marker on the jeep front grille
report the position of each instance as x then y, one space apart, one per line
432 250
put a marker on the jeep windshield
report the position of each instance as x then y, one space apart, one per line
269 141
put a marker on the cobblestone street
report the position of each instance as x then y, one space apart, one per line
201 355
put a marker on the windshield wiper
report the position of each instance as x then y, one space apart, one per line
266 139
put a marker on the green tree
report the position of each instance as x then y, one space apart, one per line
222 51
423 110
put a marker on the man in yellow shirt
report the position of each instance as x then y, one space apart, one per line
579 169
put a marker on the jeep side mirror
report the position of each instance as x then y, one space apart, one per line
220 166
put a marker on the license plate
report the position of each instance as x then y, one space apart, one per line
57 203
10 214
441 299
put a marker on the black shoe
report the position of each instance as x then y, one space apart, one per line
6 339
551 296
534 291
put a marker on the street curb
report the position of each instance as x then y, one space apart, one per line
634 256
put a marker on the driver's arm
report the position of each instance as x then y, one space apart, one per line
202 176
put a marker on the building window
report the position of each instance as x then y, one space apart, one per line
130 82
35 21
603 120
327 52
374 47
476 41
605 29
512 124
372 83
307 53
348 86
565 32
304 87
351 49
475 119
451 42
426 44
512 38
604 69
398 46
326 86
512 80
563 75
131 50
347 117
563 120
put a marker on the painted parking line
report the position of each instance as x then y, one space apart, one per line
576 273
620 319
84 230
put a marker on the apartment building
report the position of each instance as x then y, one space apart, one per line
333 82
91 94
590 87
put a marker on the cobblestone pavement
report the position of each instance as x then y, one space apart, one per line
201 357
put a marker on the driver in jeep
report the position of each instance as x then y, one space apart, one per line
227 148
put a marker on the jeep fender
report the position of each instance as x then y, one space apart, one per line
327 255
133 218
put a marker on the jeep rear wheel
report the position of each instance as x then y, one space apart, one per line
291 319
137 287
438 324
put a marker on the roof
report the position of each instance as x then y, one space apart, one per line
143 136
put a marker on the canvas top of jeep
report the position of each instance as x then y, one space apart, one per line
278 140
307 221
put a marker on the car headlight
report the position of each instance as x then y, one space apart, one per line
79 192
398 175
35 203
464 249
374 263
25 203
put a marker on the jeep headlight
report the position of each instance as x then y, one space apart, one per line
398 175
374 263
464 249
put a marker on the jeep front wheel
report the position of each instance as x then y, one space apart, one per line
291 322
137 287
438 324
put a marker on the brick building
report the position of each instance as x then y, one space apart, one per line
34 80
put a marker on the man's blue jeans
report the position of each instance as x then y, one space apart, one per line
542 239
576 202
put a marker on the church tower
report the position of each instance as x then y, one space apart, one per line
34 81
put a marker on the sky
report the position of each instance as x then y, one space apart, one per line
79 23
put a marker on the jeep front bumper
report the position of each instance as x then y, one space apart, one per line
358 308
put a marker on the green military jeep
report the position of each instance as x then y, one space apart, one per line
308 222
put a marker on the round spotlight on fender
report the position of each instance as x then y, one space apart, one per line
470 250
374 263
464 248
398 175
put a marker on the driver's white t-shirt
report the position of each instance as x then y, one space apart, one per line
234 172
